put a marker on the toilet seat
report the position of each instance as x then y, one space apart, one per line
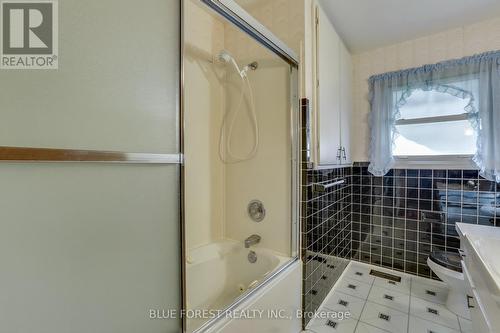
445 259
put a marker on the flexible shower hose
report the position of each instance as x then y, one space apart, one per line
225 152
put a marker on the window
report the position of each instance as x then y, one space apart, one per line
434 123
451 118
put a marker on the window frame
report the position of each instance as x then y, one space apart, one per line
434 162
433 120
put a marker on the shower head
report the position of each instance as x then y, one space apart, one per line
224 57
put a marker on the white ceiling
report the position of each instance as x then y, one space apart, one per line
368 24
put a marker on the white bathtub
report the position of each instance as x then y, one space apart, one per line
218 273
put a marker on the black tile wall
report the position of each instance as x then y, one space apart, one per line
398 219
326 226
326 233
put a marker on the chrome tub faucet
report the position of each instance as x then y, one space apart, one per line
252 240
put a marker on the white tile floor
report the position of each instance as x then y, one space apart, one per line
377 305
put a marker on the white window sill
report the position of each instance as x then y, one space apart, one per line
434 162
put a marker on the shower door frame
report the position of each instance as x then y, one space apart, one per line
235 14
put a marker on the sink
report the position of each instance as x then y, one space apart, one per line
486 250
484 247
478 230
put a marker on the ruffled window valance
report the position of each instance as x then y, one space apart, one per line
475 79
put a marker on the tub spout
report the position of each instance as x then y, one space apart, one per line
252 240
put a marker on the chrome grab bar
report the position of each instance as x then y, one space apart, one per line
321 187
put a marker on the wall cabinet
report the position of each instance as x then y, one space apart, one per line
346 103
332 106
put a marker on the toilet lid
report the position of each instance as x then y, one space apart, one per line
450 260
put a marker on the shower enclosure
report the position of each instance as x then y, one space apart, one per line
240 146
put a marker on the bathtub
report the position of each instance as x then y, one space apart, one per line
218 273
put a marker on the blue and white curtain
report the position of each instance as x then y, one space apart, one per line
475 78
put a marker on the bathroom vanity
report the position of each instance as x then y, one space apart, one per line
480 251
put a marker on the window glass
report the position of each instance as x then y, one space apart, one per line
451 134
442 138
423 104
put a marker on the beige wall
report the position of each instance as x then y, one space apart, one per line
284 18
455 43
291 21
204 172
267 176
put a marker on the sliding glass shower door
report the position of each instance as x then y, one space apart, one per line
241 149
90 168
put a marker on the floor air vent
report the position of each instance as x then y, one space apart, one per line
385 275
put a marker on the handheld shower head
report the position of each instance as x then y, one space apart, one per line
224 57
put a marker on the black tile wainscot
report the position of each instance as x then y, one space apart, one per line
326 229
398 219
326 235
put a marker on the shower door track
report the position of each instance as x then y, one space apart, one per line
239 17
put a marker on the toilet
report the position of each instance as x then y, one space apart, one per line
446 265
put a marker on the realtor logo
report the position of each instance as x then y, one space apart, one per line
29 35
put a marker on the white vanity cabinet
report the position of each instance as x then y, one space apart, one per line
475 303
332 106
479 247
